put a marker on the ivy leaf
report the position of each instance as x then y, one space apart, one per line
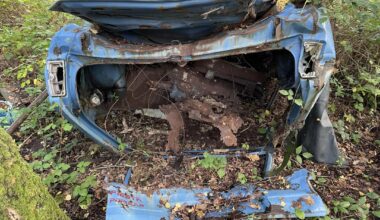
373 195
48 157
344 204
299 159
307 155
67 127
298 150
245 146
83 192
221 173
299 214
362 200
376 213
241 178
283 92
298 102
46 165
76 191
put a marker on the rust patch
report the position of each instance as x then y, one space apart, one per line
57 51
174 117
306 199
227 123
275 211
229 71
85 41
194 84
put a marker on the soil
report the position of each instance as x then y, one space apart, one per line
148 135
150 171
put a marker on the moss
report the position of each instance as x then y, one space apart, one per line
22 192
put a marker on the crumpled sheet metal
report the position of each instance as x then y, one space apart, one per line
125 202
288 30
228 123
163 20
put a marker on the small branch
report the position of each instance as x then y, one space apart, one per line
113 166
25 115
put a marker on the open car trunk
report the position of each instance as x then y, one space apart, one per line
205 104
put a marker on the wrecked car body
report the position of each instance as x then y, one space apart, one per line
148 59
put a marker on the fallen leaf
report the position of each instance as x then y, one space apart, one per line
68 197
167 205
253 157
12 214
308 200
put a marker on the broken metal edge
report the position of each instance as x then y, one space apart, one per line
291 30
126 202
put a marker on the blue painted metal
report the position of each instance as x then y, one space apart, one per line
6 115
162 19
125 202
288 30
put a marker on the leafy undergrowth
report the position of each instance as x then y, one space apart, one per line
76 169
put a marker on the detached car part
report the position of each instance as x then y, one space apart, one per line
187 50
6 114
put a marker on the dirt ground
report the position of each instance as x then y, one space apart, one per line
359 176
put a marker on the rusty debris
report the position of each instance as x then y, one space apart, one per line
174 117
227 123
207 91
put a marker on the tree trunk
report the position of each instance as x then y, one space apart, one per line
22 193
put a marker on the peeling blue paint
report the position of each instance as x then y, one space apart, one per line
290 29
125 202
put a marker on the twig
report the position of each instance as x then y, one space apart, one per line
113 166
24 116
108 113
26 140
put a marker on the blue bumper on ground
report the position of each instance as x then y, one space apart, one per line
125 202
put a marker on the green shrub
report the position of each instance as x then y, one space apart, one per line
25 32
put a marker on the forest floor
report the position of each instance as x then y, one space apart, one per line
356 177
76 170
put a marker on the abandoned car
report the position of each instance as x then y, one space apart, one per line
204 69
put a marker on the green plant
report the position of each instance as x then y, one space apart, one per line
43 159
340 128
289 94
24 40
245 146
299 155
358 207
82 191
56 175
358 64
256 175
241 178
341 160
349 204
318 179
214 162
82 166
299 213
